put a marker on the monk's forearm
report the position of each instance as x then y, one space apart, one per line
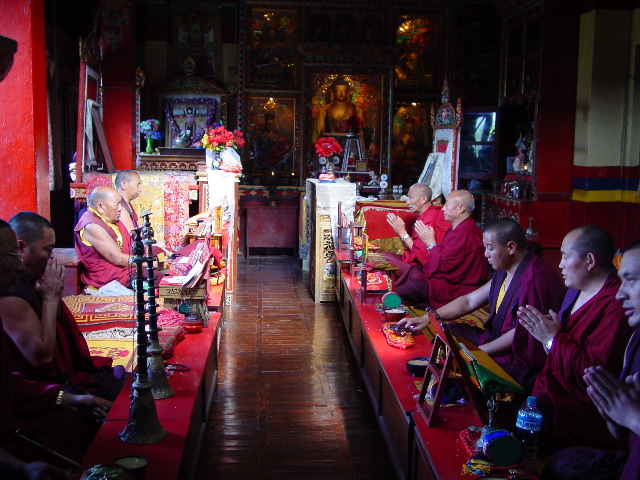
500 345
456 308
408 242
618 432
46 342
119 260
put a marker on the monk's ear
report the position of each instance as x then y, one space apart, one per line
592 262
22 245
512 246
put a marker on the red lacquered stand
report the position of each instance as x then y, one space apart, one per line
417 450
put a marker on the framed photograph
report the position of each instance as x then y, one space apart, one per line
362 167
196 34
432 173
271 135
187 117
342 103
271 51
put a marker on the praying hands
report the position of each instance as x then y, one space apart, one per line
426 232
618 402
542 327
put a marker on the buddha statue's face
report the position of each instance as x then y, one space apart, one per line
341 93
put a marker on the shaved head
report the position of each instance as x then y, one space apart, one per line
508 230
102 194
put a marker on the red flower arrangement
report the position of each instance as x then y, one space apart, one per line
327 146
218 138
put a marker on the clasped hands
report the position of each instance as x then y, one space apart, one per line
426 232
397 224
52 282
618 402
542 327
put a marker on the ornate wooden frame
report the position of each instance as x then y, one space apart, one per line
282 110
271 52
370 91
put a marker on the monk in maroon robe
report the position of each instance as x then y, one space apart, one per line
589 330
456 265
416 253
46 344
617 399
102 242
128 185
37 409
521 278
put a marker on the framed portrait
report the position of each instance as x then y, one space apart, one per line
418 41
271 51
187 117
196 34
271 135
432 173
344 103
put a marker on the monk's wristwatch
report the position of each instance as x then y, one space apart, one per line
549 344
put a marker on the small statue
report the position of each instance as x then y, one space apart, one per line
374 182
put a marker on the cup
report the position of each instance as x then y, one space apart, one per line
136 466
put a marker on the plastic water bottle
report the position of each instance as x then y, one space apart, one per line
528 427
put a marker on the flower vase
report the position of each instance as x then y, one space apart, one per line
149 149
213 159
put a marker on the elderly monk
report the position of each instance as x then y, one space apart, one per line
38 409
617 399
521 278
416 253
102 242
128 185
46 344
456 265
589 330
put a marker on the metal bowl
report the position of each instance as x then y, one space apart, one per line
417 366
393 316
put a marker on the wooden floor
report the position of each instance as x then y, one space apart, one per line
290 404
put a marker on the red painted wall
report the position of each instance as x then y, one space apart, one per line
24 166
118 77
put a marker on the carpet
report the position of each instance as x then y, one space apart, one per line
109 327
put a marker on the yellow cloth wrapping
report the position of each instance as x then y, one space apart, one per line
484 371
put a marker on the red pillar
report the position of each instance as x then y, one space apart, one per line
24 165
118 78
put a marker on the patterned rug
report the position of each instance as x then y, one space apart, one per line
108 324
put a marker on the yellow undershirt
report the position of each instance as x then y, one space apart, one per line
501 293
113 227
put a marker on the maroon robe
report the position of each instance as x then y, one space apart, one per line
410 263
632 366
455 267
433 217
572 463
595 334
132 212
96 270
534 283
72 364
30 406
